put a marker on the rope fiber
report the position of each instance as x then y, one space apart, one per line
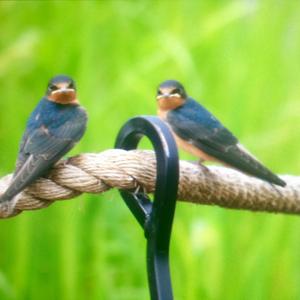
136 169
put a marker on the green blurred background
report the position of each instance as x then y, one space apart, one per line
241 59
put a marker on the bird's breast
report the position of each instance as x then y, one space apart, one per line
162 113
190 148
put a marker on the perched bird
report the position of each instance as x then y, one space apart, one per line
198 132
54 127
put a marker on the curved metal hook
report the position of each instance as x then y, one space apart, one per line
155 217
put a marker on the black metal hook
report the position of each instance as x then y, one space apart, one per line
155 217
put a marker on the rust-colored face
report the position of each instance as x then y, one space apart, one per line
170 95
169 98
169 102
62 92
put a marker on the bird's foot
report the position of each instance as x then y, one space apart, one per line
203 167
199 163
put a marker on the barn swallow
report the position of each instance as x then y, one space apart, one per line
54 127
198 132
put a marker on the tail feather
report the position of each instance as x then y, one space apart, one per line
238 158
4 198
28 173
247 163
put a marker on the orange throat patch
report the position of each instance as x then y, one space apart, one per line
166 104
64 97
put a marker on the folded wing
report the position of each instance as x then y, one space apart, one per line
40 149
197 126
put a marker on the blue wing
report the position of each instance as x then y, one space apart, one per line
42 147
193 123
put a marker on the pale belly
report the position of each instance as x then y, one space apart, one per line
184 145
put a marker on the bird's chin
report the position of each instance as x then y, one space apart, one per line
65 97
168 103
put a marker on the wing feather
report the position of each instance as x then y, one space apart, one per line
196 125
40 149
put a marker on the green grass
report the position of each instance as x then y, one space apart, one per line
239 58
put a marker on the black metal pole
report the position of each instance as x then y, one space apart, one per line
155 217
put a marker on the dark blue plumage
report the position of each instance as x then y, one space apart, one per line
201 134
54 127
192 119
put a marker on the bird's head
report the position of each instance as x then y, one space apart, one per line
170 95
62 89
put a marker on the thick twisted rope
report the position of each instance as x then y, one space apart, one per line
97 173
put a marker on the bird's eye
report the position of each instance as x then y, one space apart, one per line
159 92
53 87
176 91
71 85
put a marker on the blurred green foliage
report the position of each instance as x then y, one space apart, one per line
239 58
